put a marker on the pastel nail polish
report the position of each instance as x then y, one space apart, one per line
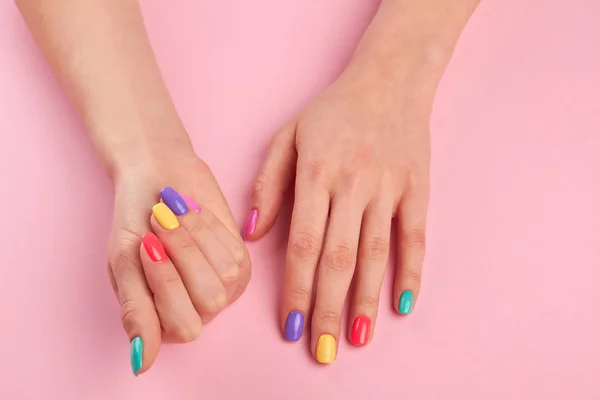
326 349
136 354
154 247
165 217
405 305
190 202
294 324
174 201
251 223
360 330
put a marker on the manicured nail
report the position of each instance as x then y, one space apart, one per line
165 216
154 247
405 304
251 223
326 349
174 201
137 351
294 324
190 202
360 330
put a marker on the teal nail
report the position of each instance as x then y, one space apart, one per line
137 350
406 302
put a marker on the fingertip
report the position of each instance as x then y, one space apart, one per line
250 226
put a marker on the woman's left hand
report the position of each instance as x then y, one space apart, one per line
359 154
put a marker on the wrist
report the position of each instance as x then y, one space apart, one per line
409 44
144 152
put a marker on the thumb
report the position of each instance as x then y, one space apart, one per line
273 180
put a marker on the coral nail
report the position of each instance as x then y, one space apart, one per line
326 349
360 331
294 325
165 217
190 202
174 201
251 223
154 247
136 354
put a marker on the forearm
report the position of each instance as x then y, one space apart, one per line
101 54
411 42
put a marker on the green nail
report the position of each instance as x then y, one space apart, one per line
406 302
137 350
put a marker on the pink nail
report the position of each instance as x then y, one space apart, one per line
251 223
190 202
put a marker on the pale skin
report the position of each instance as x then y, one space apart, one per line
357 157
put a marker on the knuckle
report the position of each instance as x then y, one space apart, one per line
185 244
168 276
411 275
215 300
186 332
299 295
368 302
129 315
262 181
229 274
340 259
351 181
304 245
315 170
331 317
376 249
238 253
414 239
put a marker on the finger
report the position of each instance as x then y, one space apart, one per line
372 260
216 254
233 267
309 219
203 285
235 248
272 182
138 314
178 317
412 218
334 275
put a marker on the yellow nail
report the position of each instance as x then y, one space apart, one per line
326 349
165 216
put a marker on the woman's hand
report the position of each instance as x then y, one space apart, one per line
170 282
359 154
360 157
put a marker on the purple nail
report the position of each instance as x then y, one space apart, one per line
294 324
174 201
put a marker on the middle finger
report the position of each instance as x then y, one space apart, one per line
334 276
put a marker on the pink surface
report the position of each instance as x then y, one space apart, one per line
510 303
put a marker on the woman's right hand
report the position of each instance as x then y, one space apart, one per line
172 273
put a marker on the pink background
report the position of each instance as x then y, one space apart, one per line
510 304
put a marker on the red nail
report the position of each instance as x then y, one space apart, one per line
251 223
360 330
154 247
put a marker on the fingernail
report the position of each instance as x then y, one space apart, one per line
154 247
326 349
137 350
405 304
251 223
165 216
174 201
360 330
190 202
294 324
